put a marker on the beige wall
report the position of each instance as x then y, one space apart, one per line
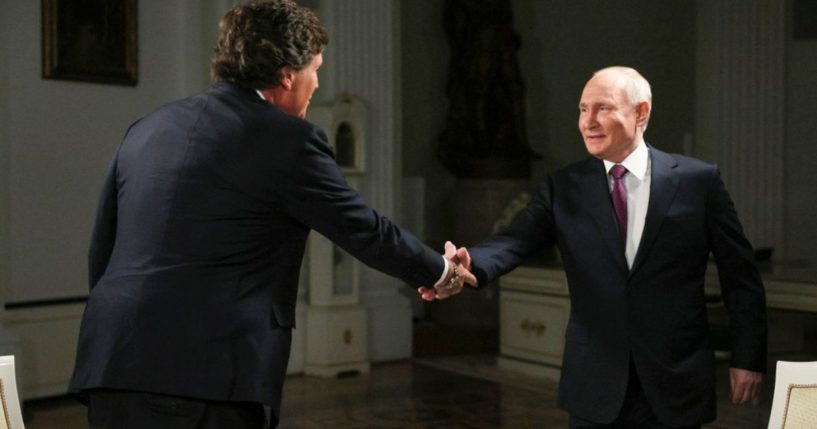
58 136
5 86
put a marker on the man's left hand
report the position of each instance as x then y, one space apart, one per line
745 385
462 260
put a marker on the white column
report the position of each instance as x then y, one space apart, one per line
362 59
740 107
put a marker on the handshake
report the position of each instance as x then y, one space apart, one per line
459 266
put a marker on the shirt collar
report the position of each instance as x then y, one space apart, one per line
636 162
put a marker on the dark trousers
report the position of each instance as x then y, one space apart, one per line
122 409
635 413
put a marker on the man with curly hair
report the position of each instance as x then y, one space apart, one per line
200 233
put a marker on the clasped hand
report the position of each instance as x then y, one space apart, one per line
459 266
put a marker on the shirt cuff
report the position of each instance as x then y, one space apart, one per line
445 272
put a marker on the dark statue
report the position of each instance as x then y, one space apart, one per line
485 135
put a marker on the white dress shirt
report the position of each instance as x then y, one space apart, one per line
637 183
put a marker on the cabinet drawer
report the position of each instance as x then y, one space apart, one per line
533 326
337 335
535 280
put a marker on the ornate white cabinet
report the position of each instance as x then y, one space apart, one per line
533 310
336 325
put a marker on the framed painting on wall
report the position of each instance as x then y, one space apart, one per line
90 40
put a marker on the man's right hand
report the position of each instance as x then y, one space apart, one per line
459 273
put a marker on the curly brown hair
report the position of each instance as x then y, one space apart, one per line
258 38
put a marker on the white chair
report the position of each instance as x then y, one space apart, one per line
11 417
794 405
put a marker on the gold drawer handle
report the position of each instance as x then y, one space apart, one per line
538 328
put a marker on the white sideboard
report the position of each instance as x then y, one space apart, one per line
533 310
535 307
46 346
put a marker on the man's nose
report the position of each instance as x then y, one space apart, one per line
590 121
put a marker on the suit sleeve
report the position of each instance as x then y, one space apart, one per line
104 233
740 282
532 229
318 195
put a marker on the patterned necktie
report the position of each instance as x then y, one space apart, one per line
619 196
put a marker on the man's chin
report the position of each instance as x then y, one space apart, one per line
592 150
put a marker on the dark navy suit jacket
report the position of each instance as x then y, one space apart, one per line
654 313
198 243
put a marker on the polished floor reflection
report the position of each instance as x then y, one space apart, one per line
432 393
406 395
459 392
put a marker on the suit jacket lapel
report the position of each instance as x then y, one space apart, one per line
663 184
594 183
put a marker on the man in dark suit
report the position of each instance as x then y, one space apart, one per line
635 227
200 234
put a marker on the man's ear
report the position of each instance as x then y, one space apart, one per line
287 78
643 112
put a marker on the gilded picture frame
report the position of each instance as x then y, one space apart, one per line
90 40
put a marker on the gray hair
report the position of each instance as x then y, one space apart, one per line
637 88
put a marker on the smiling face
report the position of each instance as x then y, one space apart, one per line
299 85
611 126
